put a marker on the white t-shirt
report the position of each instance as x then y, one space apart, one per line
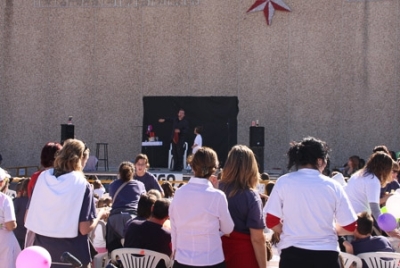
9 247
98 239
199 141
309 203
363 190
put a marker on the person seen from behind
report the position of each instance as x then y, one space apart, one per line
199 213
309 210
246 245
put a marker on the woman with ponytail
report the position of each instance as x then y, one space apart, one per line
309 210
125 193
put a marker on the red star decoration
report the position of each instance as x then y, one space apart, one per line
269 6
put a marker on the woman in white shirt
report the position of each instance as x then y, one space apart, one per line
9 247
198 214
304 208
364 186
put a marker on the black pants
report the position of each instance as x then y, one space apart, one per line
179 265
177 153
297 257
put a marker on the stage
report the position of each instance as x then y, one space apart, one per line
162 174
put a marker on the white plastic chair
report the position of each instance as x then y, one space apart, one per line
381 259
171 157
100 260
349 259
139 258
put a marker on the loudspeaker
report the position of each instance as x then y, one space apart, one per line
256 136
67 132
259 154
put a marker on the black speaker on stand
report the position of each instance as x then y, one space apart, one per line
67 132
257 145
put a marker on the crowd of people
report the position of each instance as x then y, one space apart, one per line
217 219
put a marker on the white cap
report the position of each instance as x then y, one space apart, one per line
4 174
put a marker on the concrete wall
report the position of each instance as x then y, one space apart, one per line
327 69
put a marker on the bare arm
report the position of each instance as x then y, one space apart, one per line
348 247
258 241
10 225
86 227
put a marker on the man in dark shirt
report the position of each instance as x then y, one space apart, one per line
150 234
180 129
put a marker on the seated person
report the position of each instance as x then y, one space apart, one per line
363 240
150 234
145 205
98 187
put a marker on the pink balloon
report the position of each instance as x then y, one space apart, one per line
387 222
34 257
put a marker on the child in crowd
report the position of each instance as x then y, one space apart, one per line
157 194
265 176
198 141
168 190
98 187
20 204
364 242
98 236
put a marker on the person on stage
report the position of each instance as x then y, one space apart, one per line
180 128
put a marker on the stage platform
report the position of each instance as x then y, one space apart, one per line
162 174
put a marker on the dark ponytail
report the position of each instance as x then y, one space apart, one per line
308 151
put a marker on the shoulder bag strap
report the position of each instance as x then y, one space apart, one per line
119 190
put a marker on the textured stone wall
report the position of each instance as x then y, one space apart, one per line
327 69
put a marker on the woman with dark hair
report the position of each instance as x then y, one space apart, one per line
353 164
61 211
309 210
198 214
168 190
363 188
125 193
47 158
246 245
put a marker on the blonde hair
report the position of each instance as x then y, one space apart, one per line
240 170
70 156
5 183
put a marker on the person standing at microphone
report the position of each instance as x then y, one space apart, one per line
180 128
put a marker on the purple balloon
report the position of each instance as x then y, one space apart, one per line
387 222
